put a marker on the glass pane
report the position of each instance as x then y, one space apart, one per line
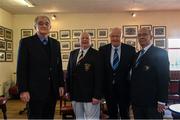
174 58
173 43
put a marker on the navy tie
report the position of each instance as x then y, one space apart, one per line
44 42
115 59
140 56
80 57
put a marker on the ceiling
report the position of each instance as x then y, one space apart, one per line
89 6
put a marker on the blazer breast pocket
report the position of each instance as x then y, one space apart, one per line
87 67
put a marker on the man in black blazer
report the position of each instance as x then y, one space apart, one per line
39 71
149 79
117 60
84 80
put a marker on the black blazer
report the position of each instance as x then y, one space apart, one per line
149 83
126 58
84 80
35 66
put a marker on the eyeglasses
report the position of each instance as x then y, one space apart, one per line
43 23
143 34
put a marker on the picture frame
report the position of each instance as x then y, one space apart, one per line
101 43
65 56
53 34
159 31
131 41
160 42
9 56
76 33
2 56
75 45
92 32
65 34
93 44
8 33
1 31
102 33
65 45
26 33
130 30
9 46
2 45
146 26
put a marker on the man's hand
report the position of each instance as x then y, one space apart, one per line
25 96
95 101
160 108
61 91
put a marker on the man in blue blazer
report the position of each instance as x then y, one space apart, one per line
39 71
149 79
117 60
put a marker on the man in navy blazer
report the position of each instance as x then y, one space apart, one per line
84 80
149 79
39 71
117 60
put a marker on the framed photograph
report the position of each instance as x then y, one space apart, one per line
131 41
159 31
130 30
2 56
76 33
9 56
8 33
65 34
9 45
101 43
93 44
53 34
2 45
146 26
75 45
65 56
1 31
160 42
26 33
65 45
102 33
92 32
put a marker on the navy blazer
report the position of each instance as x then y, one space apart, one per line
34 67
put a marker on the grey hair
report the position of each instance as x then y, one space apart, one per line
37 18
88 36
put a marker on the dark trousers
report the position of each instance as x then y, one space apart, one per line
42 109
146 113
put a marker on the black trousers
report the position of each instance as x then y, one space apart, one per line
146 113
43 109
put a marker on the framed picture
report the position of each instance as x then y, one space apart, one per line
26 33
2 56
75 45
130 30
65 34
76 33
53 34
93 44
2 45
146 26
65 45
1 31
131 41
9 45
159 31
65 56
9 56
92 32
102 33
8 34
101 43
160 42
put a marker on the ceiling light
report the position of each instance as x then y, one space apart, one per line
28 3
53 17
133 14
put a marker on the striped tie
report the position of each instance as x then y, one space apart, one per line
139 57
80 57
115 59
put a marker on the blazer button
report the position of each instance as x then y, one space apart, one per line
114 74
50 69
113 82
49 78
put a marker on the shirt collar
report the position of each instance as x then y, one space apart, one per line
116 47
147 47
42 37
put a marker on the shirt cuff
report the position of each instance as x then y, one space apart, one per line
162 103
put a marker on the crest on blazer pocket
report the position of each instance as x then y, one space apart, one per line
146 68
87 66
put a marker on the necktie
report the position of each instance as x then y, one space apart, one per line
115 59
81 56
44 42
140 56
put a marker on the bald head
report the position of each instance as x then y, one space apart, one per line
85 40
115 36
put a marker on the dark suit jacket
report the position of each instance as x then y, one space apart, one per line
34 68
84 80
122 83
149 83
